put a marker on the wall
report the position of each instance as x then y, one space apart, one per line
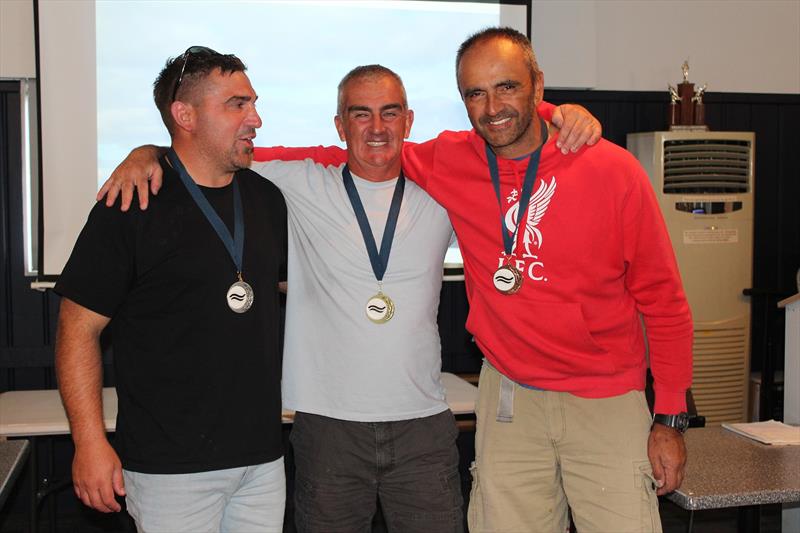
733 45
16 39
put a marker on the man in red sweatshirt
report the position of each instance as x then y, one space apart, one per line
565 257
558 290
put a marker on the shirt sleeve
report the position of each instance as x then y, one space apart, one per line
545 110
326 155
653 279
418 159
100 270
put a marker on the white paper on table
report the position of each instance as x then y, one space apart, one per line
768 432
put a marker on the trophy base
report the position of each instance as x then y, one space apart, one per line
695 127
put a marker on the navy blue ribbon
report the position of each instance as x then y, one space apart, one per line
527 188
379 261
234 244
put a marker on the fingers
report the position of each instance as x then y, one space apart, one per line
673 476
557 119
672 480
156 179
99 497
118 482
658 475
596 134
143 189
578 127
108 499
576 133
126 189
103 190
110 190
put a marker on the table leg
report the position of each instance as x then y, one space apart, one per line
48 486
33 474
749 519
690 525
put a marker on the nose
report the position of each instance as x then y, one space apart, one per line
253 118
493 104
376 124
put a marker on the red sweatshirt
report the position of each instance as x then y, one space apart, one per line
594 253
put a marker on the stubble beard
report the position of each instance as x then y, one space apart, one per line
508 139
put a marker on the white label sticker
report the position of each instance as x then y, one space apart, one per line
710 236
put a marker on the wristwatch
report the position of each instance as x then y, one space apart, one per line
679 422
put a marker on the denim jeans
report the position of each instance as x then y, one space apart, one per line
344 468
237 500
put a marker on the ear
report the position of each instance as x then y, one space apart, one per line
538 89
183 115
409 122
337 120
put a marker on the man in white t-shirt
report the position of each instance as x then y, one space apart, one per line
362 351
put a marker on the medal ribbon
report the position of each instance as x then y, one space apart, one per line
509 240
234 244
379 261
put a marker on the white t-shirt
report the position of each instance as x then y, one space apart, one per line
337 363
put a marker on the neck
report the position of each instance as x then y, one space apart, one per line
203 171
376 174
530 141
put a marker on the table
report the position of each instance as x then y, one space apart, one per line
791 388
12 457
724 469
39 413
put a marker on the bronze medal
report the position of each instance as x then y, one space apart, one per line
507 279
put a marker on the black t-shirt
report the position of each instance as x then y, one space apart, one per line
198 385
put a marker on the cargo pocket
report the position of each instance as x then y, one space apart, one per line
649 518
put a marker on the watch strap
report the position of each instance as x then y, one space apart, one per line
678 422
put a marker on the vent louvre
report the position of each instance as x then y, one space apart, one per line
720 373
706 166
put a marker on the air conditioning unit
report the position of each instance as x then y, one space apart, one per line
704 183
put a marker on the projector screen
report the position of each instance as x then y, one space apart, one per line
97 60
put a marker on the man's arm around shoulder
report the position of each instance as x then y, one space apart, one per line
96 468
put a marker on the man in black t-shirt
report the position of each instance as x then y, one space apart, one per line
190 291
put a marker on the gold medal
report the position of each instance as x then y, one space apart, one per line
380 308
507 279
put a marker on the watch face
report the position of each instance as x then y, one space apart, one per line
682 422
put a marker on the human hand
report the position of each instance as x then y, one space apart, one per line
97 476
577 125
667 453
134 172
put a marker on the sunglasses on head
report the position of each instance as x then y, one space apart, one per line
192 50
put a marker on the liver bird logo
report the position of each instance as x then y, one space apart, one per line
536 210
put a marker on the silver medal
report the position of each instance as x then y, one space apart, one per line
240 297
380 308
507 279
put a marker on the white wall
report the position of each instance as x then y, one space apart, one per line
733 45
17 58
